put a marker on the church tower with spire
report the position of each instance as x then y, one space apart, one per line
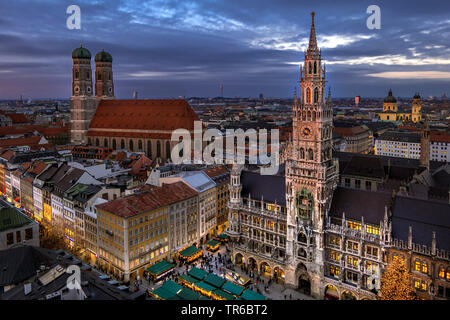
311 173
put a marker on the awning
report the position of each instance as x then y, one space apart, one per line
213 243
188 294
222 236
197 273
214 280
252 295
163 294
172 287
223 294
233 288
206 287
187 278
160 268
190 252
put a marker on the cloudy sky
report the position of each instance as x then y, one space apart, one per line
171 48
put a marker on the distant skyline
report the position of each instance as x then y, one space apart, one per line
168 48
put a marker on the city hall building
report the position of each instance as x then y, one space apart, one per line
329 222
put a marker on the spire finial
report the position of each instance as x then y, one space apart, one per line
312 37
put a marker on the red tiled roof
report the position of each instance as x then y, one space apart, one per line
217 171
7 154
142 162
160 115
37 167
149 198
18 117
14 142
22 129
439 136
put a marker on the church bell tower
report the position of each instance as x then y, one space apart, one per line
311 172
82 102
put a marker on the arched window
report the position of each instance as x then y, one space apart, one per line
316 95
310 154
140 145
313 116
309 68
114 144
99 76
315 67
301 237
76 74
131 146
149 148
122 144
308 95
302 153
167 150
97 142
304 207
88 75
158 149
105 142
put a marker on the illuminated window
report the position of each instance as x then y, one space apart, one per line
334 271
417 266
372 230
424 285
354 225
424 268
417 284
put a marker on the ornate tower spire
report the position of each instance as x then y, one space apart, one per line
312 47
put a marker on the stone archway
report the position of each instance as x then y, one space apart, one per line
265 269
304 282
238 259
252 264
331 293
348 295
279 275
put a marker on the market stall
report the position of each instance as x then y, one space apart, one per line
213 245
252 295
222 237
160 270
190 254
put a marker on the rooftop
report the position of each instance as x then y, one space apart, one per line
150 198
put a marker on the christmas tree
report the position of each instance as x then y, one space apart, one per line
396 282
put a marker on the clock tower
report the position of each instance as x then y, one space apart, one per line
311 174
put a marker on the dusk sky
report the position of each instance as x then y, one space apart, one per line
166 48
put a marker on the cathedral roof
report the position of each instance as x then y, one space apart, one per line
142 118
81 53
103 56
390 97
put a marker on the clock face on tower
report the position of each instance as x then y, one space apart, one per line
306 131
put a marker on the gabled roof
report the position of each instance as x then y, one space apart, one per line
145 115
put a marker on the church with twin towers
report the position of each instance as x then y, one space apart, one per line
98 119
